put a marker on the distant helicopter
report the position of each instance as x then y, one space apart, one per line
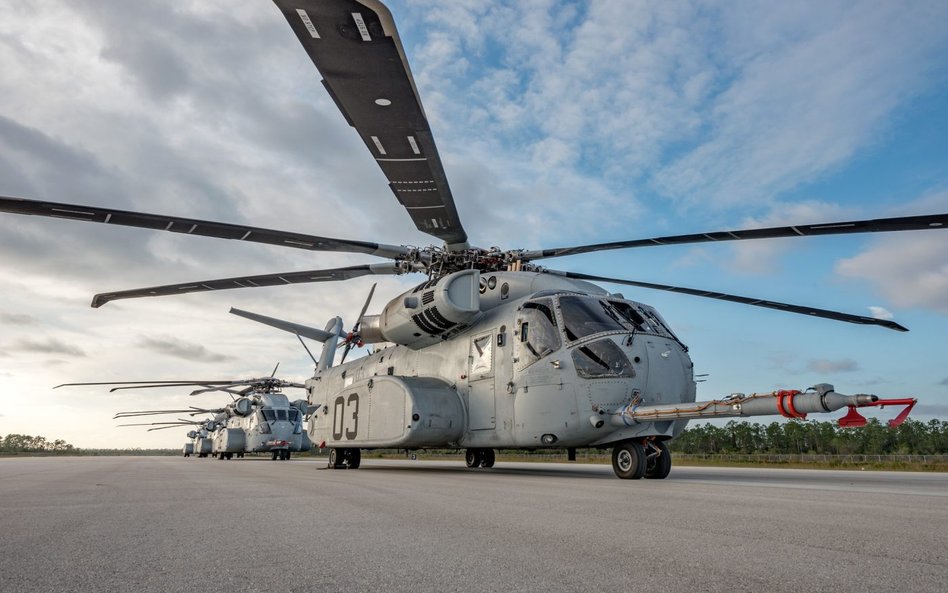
259 419
199 439
491 351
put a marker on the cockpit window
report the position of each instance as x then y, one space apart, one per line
538 333
294 415
269 415
633 317
281 415
601 358
583 316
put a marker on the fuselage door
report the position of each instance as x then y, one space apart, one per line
481 412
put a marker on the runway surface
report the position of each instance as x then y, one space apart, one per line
201 525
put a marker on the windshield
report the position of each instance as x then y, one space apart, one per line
633 317
269 415
584 316
601 358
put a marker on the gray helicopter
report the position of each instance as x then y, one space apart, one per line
260 419
491 350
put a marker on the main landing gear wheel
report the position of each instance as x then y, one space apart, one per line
473 457
479 458
628 460
353 458
345 458
658 461
273 455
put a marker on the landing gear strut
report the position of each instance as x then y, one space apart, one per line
658 461
628 460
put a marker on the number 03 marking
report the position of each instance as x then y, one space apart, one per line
345 419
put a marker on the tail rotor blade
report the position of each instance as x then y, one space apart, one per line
353 336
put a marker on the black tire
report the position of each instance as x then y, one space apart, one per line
473 457
487 458
287 457
337 458
273 455
658 464
353 458
628 460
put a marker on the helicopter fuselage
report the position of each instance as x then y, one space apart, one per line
544 363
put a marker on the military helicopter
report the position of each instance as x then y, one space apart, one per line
259 419
491 350
199 439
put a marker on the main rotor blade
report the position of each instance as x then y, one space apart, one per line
192 410
164 427
148 384
877 225
251 282
178 423
824 313
192 226
356 48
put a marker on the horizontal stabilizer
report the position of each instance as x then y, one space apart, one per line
294 328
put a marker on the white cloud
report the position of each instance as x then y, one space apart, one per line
908 269
880 312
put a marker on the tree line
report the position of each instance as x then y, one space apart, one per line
912 437
24 443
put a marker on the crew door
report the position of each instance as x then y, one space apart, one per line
481 412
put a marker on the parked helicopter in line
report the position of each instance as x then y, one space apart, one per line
260 419
491 351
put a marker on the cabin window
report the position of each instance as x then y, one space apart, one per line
601 358
482 356
583 316
538 334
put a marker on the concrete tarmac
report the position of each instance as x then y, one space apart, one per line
168 524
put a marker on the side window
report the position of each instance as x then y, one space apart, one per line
538 334
482 356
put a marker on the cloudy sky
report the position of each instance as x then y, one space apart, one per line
558 123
